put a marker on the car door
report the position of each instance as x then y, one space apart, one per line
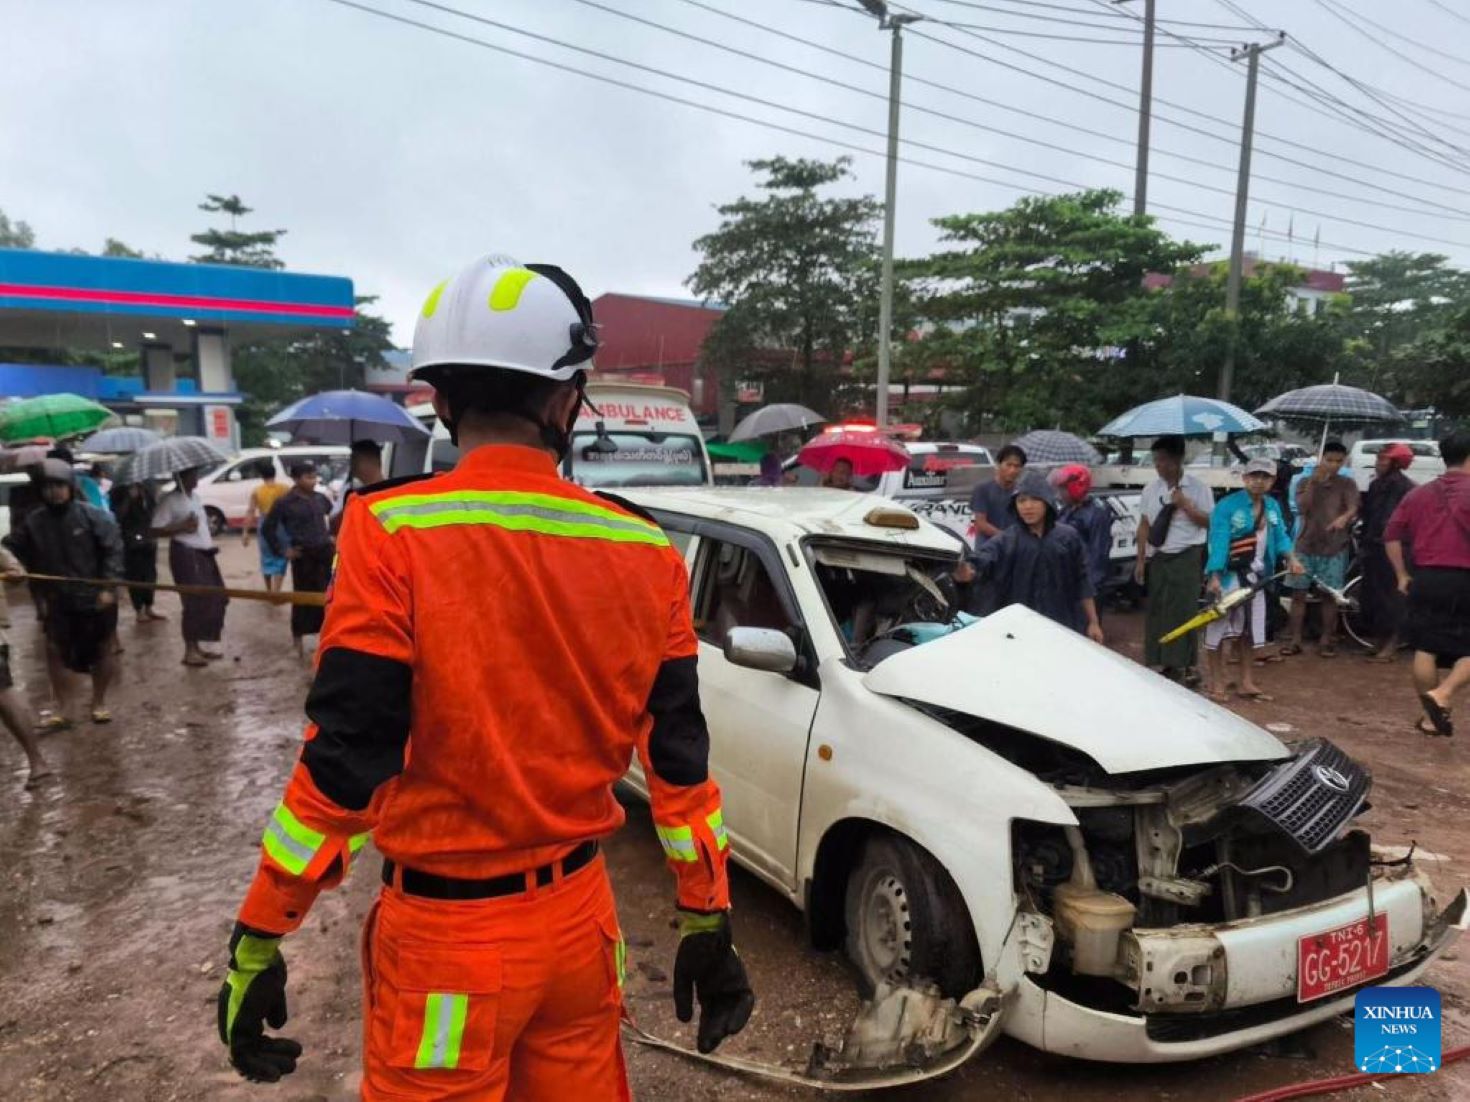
759 722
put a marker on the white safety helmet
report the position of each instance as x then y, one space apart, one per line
500 314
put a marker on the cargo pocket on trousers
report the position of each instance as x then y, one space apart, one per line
448 998
615 952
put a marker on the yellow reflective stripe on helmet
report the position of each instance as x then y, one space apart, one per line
443 1030
290 842
716 822
506 294
432 302
678 842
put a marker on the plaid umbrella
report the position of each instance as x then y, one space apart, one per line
119 441
55 415
1331 402
167 458
1052 446
1182 415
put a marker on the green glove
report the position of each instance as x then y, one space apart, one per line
254 995
708 968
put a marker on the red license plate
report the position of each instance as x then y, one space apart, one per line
1338 959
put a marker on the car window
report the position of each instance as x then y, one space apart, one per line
735 590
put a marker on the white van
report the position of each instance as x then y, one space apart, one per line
1426 467
639 436
226 489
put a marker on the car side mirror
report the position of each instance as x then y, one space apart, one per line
761 649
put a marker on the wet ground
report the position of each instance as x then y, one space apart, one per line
119 883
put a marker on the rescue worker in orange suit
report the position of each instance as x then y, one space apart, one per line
498 643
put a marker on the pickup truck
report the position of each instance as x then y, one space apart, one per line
1139 874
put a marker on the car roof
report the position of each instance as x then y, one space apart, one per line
924 447
794 512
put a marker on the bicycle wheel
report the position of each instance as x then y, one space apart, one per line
1352 618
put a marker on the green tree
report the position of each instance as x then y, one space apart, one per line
1398 299
1282 343
797 269
113 247
1434 370
235 246
272 374
1038 305
15 235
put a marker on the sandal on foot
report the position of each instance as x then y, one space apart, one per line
1289 650
48 724
1424 727
101 715
1259 696
1438 715
1327 650
36 780
196 662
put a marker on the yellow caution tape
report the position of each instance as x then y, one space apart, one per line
311 600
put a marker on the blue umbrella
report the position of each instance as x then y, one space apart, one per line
1182 415
120 441
343 416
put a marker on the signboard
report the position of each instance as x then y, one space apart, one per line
219 426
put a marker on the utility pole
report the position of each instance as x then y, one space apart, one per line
1252 53
1145 109
894 24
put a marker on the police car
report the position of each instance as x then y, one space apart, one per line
1144 875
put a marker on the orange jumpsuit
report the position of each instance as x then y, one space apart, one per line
498 643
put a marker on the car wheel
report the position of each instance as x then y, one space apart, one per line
906 921
216 520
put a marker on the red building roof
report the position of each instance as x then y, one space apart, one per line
656 339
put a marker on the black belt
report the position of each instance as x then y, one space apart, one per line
431 886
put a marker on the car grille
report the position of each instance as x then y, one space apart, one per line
1312 796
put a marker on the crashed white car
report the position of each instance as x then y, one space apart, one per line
1136 873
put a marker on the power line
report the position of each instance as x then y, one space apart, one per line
921 109
1450 11
1261 135
767 124
927 147
1074 11
1371 37
1405 38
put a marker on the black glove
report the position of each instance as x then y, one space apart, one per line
708 966
254 995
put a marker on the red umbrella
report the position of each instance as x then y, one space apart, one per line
867 449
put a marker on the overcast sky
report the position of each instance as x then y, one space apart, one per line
394 155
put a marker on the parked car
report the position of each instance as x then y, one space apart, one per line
1145 875
7 482
1426 467
226 489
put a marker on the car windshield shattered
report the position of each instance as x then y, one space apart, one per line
883 602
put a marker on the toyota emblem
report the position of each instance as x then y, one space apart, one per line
1331 778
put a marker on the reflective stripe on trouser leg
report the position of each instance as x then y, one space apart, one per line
716 822
444 1016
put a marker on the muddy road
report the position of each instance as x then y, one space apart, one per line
118 886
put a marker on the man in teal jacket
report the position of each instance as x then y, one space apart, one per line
1248 537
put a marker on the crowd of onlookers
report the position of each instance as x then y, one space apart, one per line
91 538
1253 557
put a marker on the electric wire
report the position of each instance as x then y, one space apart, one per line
1353 19
1261 135
433 5
794 131
1461 215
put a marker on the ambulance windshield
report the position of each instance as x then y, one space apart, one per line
625 458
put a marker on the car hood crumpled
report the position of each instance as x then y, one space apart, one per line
1019 669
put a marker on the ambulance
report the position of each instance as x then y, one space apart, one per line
628 434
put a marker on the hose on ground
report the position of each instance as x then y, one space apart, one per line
1315 1087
